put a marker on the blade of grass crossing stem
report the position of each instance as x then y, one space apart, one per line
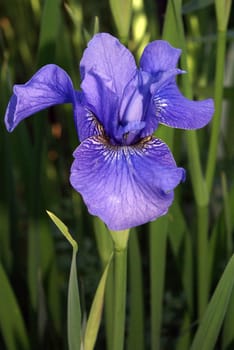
73 306
158 239
105 248
95 314
11 321
136 319
209 328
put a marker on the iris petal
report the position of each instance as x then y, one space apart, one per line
125 185
173 109
106 56
86 123
159 56
155 85
49 86
101 101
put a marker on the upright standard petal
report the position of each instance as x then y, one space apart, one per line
159 56
125 185
109 59
49 86
173 109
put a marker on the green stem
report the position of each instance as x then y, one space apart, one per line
136 337
120 273
158 248
120 239
202 260
218 97
105 248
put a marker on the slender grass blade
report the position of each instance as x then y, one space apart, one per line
73 306
211 323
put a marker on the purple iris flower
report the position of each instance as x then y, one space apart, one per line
125 175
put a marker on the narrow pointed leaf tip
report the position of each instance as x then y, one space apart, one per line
63 229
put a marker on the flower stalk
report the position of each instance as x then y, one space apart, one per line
120 240
203 276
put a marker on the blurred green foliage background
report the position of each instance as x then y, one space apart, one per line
164 259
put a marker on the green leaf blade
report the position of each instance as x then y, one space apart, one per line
94 319
209 328
73 305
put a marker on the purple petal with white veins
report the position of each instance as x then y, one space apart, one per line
51 85
159 56
149 105
125 186
174 110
